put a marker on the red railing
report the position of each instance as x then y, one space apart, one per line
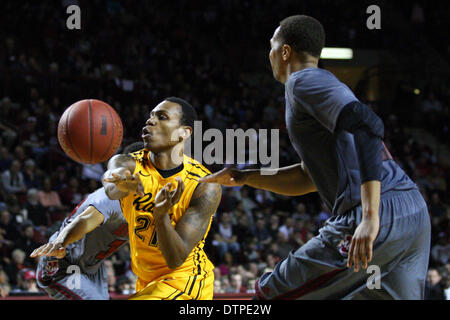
219 296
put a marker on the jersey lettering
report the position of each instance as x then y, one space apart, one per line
143 224
143 203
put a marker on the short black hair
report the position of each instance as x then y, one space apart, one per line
133 147
189 113
303 33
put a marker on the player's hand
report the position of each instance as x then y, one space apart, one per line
51 249
227 177
361 247
165 198
125 181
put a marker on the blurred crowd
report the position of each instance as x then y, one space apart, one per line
134 56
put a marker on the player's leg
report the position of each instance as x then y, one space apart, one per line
321 261
60 284
406 280
80 286
318 269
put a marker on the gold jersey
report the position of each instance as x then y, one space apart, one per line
147 260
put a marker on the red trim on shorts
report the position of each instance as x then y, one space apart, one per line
60 288
52 286
65 291
258 290
307 287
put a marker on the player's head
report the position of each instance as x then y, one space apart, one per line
171 122
298 38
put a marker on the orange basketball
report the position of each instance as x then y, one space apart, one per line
90 131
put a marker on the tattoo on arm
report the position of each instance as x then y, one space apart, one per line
204 203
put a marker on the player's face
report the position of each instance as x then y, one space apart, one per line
161 130
275 57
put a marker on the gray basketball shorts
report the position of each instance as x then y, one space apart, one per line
317 270
61 283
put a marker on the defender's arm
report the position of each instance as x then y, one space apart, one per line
119 180
87 221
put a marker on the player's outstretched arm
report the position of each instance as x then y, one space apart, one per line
177 243
87 221
119 179
290 181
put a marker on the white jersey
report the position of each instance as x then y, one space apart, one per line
90 251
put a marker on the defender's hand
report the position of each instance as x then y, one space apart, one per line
226 177
51 249
125 181
361 247
165 198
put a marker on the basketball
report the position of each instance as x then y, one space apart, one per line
90 131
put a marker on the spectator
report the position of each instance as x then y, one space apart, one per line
236 284
18 263
288 227
31 178
284 245
447 288
440 252
225 284
218 286
5 288
123 286
227 264
6 247
437 209
248 204
111 274
12 179
261 233
301 213
9 226
50 200
5 158
92 186
225 239
229 201
244 231
27 281
252 251
70 195
433 287
27 241
274 225
35 211
300 228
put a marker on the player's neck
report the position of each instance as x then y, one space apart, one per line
301 64
169 159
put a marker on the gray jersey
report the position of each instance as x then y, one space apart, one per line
314 100
90 251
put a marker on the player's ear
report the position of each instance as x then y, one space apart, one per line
286 52
185 133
